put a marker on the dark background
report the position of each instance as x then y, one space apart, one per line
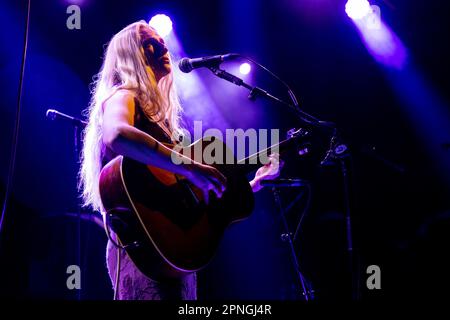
401 217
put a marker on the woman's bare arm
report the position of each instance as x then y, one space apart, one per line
120 135
123 138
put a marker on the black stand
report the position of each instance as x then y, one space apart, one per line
337 151
78 126
286 236
77 139
338 154
353 264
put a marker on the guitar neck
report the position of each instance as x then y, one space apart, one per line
255 161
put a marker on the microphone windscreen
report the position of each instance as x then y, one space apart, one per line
185 66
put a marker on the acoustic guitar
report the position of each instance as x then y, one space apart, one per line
161 218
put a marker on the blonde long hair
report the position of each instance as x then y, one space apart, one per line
124 67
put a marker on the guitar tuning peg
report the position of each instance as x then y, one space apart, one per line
296 133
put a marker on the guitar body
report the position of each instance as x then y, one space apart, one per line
176 232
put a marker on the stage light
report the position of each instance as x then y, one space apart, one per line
358 9
162 24
245 68
381 42
75 2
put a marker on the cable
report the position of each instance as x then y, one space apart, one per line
116 281
307 118
107 223
118 247
304 213
290 92
12 160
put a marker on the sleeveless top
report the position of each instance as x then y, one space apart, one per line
132 284
144 124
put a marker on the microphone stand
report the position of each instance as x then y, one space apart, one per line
286 236
76 134
78 126
338 152
258 92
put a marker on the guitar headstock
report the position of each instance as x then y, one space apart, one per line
297 133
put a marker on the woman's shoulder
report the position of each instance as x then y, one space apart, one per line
123 93
121 96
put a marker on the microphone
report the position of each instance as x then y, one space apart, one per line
54 114
186 65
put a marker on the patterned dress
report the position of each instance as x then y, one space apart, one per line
133 285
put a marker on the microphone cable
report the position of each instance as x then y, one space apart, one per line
12 160
290 92
309 119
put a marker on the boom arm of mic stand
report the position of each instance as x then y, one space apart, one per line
256 91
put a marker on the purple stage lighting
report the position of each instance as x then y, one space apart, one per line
75 2
382 43
162 24
358 9
245 68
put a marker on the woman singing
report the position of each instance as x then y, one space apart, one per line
134 110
